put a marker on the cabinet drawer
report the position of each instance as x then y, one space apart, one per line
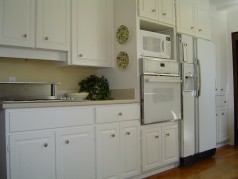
221 101
34 119
117 113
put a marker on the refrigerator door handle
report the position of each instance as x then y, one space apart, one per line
185 57
198 78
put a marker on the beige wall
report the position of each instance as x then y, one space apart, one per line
43 71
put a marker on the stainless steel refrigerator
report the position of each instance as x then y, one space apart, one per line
198 124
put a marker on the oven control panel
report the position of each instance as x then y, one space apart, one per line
160 67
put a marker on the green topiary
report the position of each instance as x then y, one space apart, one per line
97 87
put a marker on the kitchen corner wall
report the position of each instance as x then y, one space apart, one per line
232 26
43 71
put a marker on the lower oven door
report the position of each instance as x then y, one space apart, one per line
161 98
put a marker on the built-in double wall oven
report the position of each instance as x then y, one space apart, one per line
160 90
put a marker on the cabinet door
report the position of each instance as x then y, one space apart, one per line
169 144
92 32
108 151
130 148
202 20
151 148
149 9
166 11
222 126
185 17
17 22
53 22
75 155
32 155
221 58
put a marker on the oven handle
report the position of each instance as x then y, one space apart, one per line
164 81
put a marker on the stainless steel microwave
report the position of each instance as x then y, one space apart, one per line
155 44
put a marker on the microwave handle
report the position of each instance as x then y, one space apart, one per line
162 45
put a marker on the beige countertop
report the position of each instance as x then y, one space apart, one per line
39 104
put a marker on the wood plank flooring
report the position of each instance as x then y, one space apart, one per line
224 165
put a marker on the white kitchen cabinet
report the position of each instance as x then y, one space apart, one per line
158 10
53 24
92 33
193 18
151 148
108 149
159 145
17 23
169 144
39 24
219 33
167 11
130 148
32 155
149 9
75 154
118 150
222 125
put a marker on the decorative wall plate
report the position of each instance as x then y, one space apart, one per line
122 60
122 34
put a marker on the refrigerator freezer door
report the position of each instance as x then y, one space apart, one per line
206 100
188 125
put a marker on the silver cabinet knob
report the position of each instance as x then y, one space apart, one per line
222 113
128 133
164 14
45 145
67 141
113 135
222 89
120 113
153 10
25 35
80 55
46 38
156 137
167 134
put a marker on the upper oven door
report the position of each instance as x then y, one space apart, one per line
161 98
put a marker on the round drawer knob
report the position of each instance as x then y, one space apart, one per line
113 135
67 141
167 134
120 113
164 14
45 145
128 133
46 38
80 55
25 35
153 10
192 27
156 137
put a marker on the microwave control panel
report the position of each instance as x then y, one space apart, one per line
157 66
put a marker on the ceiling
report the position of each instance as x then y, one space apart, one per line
224 4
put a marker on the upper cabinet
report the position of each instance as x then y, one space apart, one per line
18 20
53 24
193 18
158 10
92 33
17 23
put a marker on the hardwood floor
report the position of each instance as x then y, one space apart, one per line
224 165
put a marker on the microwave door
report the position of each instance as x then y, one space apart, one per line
161 99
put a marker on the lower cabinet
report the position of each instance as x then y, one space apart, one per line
159 145
38 155
75 154
222 125
118 150
32 155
